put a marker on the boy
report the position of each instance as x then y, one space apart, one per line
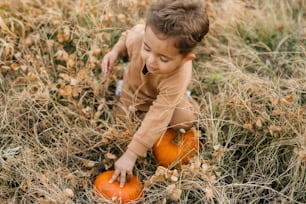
156 79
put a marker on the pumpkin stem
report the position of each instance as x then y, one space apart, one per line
178 137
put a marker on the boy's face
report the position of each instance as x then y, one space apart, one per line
160 54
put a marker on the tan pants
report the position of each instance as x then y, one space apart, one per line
184 116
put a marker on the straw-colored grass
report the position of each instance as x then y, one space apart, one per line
56 124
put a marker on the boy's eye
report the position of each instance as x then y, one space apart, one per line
163 59
146 48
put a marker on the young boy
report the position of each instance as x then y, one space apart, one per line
159 71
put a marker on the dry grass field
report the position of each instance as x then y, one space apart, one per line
57 132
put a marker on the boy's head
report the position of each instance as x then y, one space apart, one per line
183 20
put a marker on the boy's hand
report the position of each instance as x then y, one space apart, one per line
124 165
108 62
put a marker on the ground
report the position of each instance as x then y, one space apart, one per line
56 124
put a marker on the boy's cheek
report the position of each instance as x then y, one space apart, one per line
143 55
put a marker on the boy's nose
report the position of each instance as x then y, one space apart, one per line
151 59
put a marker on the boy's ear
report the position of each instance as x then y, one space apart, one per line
189 57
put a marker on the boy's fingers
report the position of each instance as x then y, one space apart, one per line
115 175
105 65
122 178
129 176
130 173
105 71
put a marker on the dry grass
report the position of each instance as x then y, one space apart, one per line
58 133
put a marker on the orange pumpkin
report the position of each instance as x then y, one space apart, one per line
169 154
131 191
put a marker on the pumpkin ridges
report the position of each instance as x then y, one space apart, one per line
189 147
167 137
165 142
132 189
167 153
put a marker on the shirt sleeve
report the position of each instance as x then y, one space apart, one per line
121 45
160 113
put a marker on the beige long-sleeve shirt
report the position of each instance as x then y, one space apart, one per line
156 94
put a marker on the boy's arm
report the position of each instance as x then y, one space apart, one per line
154 124
120 47
127 38
160 113
152 127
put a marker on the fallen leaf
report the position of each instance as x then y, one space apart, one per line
122 17
65 90
24 68
20 80
76 91
70 176
274 101
173 193
287 100
66 77
209 193
209 177
301 111
15 66
24 185
248 126
154 179
163 174
87 112
71 61
205 167
174 178
259 122
277 112
50 44
31 39
161 171
62 55
67 193
64 36
96 51
274 129
110 156
31 76
89 163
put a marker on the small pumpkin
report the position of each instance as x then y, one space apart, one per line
131 191
169 152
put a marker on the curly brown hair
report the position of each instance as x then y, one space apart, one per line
185 20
